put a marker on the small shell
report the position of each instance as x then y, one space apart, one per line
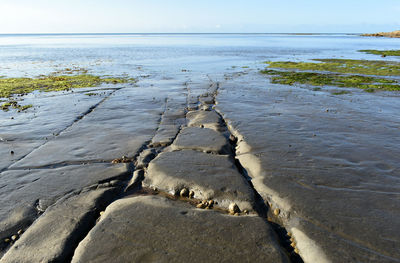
184 192
277 211
233 208
14 237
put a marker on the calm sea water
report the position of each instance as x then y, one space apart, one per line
133 54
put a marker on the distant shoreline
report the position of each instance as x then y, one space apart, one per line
393 34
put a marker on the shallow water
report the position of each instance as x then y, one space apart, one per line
31 55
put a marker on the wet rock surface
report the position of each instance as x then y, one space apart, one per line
144 229
54 236
328 163
201 139
204 118
309 159
209 176
25 194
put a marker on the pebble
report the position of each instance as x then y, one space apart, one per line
14 237
7 240
233 208
277 211
191 194
201 205
20 232
101 213
184 192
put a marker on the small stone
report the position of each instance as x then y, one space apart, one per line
101 213
184 192
233 208
7 240
191 194
14 237
201 205
277 211
20 232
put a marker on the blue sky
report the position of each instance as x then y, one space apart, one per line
96 16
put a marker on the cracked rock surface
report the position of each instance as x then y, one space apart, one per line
155 229
328 163
201 139
54 236
209 176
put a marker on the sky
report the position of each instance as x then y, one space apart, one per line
199 16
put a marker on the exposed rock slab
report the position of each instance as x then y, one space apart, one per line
26 193
13 151
329 163
118 127
202 118
154 229
55 235
48 116
210 176
202 139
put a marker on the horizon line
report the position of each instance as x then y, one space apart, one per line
181 33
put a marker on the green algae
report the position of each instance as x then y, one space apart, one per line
382 53
367 83
341 92
14 104
347 66
90 94
9 87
